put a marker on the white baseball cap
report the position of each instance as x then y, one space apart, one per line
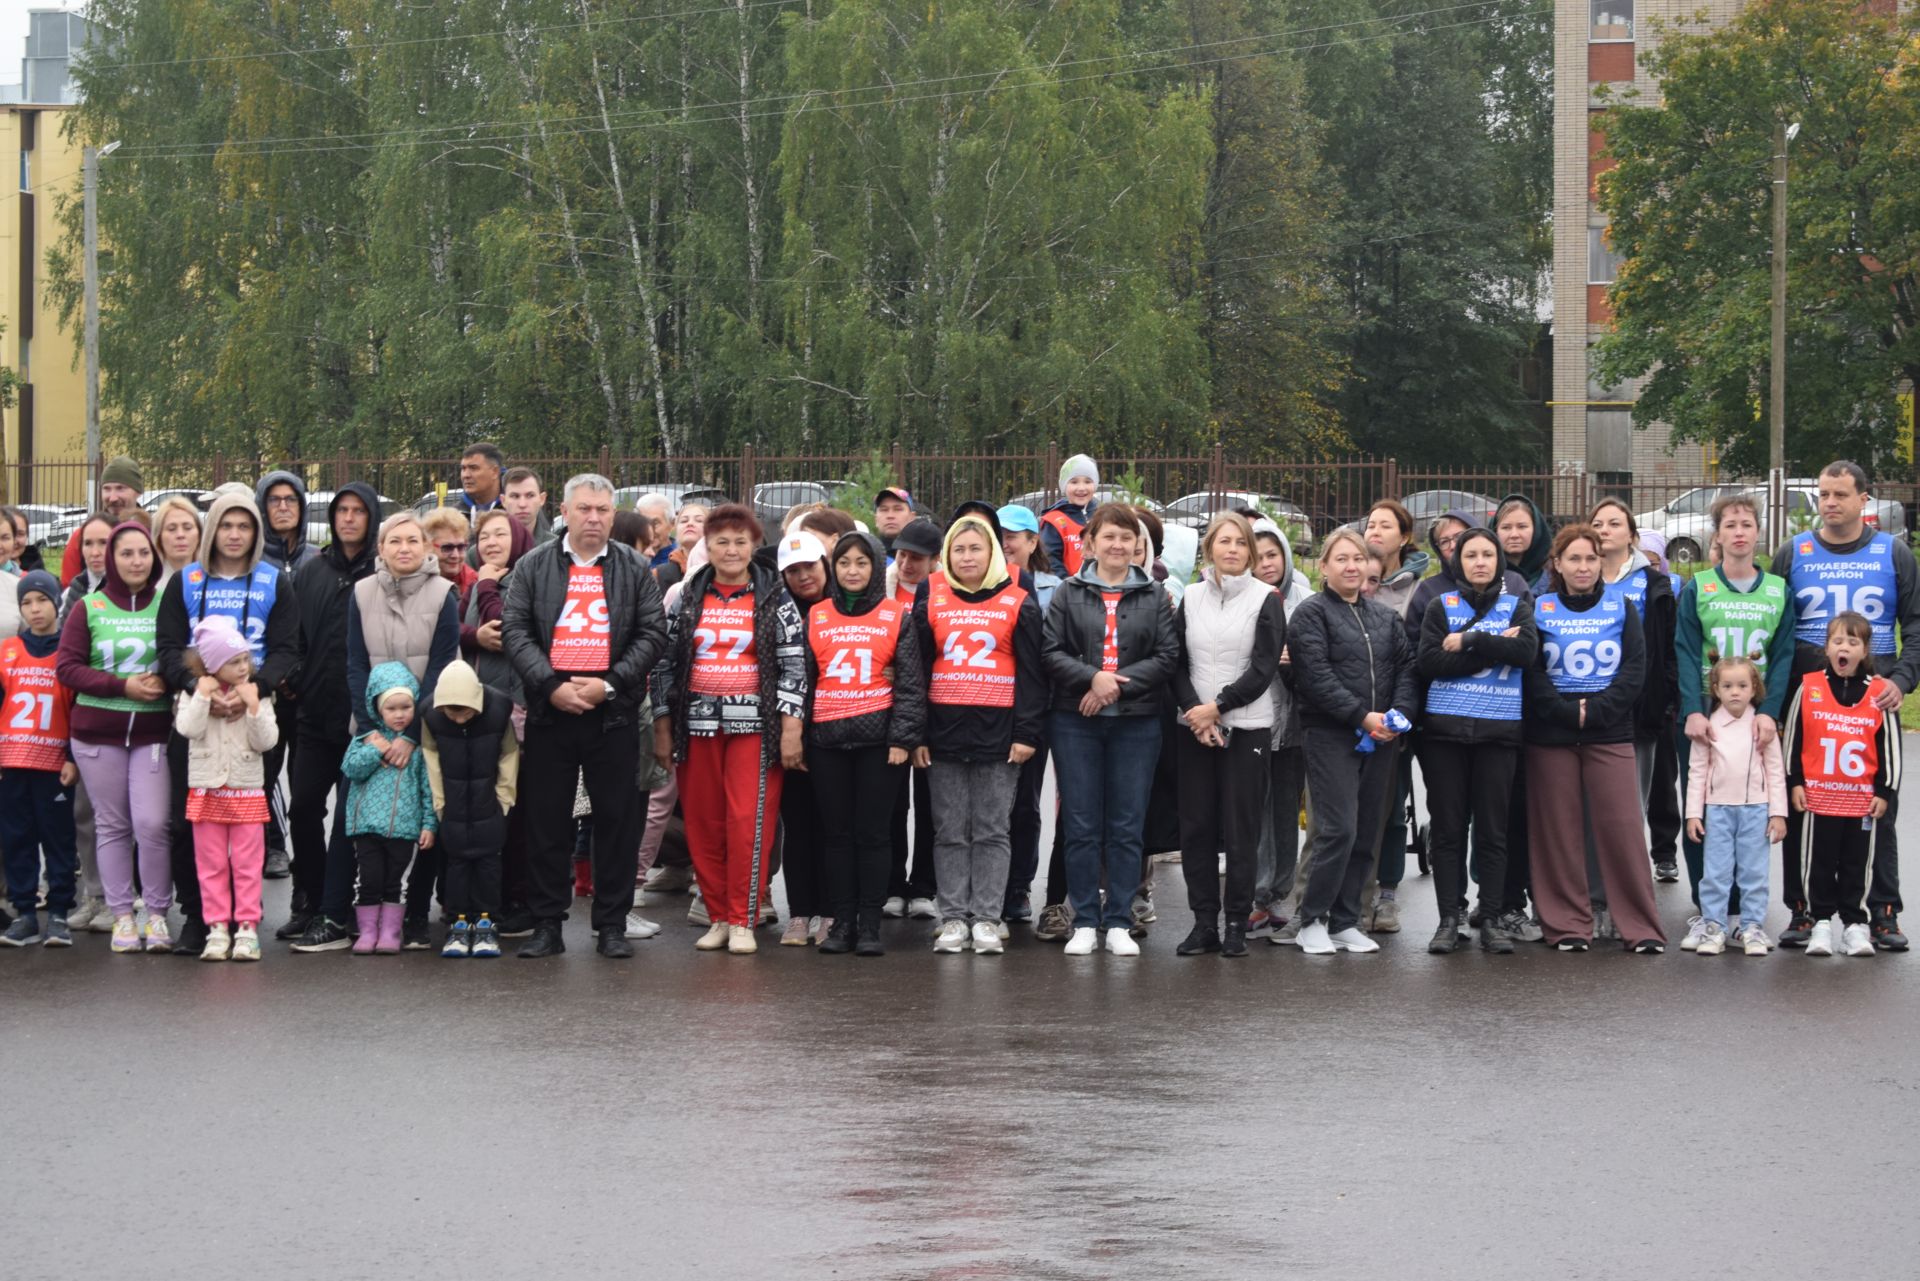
800 548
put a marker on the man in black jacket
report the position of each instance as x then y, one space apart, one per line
323 865
231 578
582 625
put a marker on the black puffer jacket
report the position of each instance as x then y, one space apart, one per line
904 724
1659 697
537 591
1350 658
1144 633
322 586
1478 651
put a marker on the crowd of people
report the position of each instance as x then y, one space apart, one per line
486 709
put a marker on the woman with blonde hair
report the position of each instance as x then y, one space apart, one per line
1231 627
176 534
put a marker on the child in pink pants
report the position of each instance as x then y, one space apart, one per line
227 786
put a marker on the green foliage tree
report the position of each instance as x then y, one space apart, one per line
1690 208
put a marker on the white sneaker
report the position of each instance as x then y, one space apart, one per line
246 944
922 909
740 941
1003 930
219 943
1713 939
697 913
1820 941
639 927
1352 940
668 880
159 938
1313 939
1120 943
102 922
1083 942
895 907
1857 940
951 938
714 939
1696 930
986 939
1754 940
81 917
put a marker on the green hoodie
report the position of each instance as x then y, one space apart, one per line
383 800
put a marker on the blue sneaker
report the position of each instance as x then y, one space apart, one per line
24 932
459 936
486 939
58 935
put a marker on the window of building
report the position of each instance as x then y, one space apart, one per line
1612 19
1603 264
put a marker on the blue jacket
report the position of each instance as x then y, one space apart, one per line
382 800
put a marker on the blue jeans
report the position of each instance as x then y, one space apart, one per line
1104 768
1736 848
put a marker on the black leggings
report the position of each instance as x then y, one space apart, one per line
801 855
383 866
855 833
1223 798
1468 783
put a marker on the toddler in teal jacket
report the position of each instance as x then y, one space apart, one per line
389 807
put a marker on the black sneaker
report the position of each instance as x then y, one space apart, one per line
24 931
1886 932
296 925
192 940
57 935
415 937
1648 947
516 924
1571 945
1666 872
278 867
324 935
1798 930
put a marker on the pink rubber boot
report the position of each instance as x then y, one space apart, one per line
369 919
390 917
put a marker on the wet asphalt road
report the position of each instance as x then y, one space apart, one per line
1025 1116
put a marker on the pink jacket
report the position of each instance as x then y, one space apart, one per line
1731 770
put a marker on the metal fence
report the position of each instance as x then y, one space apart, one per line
1320 493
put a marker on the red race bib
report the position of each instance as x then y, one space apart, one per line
582 636
851 654
1839 748
33 720
1070 540
724 662
973 662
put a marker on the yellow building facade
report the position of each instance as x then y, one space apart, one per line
47 423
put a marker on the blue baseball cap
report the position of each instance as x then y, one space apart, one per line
1015 517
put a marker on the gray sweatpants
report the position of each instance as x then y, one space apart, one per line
972 804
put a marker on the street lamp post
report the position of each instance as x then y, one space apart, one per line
1783 133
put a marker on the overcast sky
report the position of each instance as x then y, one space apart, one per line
13 31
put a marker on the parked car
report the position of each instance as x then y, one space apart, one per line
1429 505
677 496
42 518
61 527
201 498
773 498
319 533
1037 501
1687 521
1198 510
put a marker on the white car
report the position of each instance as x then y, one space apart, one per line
1198 510
1687 522
319 533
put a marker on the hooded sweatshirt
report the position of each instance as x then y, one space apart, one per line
383 800
839 635
1443 581
288 553
979 652
1396 589
484 605
259 600
1474 694
1293 589
1531 565
117 622
323 587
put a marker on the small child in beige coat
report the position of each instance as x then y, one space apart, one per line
227 787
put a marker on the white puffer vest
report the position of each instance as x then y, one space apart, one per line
1222 617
